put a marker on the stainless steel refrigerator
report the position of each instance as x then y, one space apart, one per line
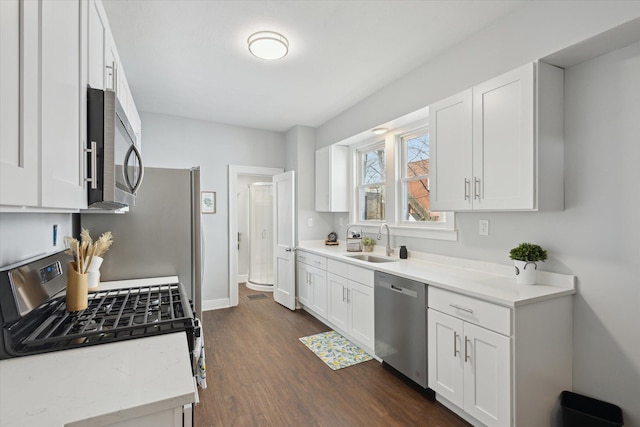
160 236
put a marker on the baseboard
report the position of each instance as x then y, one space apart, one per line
242 278
215 304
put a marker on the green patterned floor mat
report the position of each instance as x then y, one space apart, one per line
335 350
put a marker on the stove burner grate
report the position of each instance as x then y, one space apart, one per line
110 316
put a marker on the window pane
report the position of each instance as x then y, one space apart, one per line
373 166
417 155
417 199
372 203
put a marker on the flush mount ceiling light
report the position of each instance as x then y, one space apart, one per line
380 131
268 45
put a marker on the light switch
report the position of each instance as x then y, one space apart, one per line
484 227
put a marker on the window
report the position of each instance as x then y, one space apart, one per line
371 183
414 167
391 185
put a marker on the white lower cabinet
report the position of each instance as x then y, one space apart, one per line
470 367
495 365
312 284
351 302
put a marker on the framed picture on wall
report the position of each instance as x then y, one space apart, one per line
208 202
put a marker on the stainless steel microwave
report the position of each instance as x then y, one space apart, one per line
114 158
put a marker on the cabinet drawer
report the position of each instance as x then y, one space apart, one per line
338 268
360 275
312 259
481 313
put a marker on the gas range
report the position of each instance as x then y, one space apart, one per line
34 317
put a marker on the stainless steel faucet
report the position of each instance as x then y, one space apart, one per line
389 250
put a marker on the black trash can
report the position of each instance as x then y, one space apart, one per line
583 411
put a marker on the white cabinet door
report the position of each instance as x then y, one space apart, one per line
450 179
304 284
332 172
338 309
361 306
62 121
487 376
98 41
18 142
503 141
446 358
318 291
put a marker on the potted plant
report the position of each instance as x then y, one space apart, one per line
368 243
525 256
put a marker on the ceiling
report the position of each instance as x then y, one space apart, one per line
189 58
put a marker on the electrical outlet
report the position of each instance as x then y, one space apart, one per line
484 227
309 222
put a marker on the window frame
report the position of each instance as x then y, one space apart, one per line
360 186
403 179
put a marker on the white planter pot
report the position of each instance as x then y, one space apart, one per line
525 272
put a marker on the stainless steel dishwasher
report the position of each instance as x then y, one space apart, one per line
401 325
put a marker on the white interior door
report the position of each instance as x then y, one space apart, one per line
284 265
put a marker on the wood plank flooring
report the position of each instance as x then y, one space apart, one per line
259 374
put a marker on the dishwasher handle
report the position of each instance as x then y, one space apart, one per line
404 291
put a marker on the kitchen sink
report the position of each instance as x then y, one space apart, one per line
372 258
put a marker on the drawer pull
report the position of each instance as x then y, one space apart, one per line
458 307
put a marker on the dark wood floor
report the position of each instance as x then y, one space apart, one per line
259 374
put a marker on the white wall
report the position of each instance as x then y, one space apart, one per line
300 143
25 235
176 142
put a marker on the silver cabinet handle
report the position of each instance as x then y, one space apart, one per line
286 250
467 189
476 188
308 278
344 298
348 296
458 307
466 351
114 73
93 179
455 344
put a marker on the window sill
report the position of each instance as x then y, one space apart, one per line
419 232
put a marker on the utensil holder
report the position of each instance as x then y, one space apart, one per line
77 289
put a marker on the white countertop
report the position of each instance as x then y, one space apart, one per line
487 281
97 385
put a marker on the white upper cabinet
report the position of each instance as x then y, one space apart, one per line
332 175
98 41
63 103
18 139
105 68
49 52
499 145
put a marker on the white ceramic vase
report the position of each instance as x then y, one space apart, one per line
525 272
93 273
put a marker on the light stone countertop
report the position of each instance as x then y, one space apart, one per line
99 384
487 281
